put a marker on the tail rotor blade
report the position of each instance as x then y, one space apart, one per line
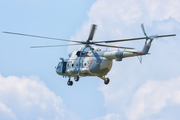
153 36
142 26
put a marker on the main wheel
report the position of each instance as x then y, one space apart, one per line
106 81
70 83
76 78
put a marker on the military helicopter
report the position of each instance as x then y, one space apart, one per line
91 61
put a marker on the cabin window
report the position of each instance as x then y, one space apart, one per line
84 64
72 65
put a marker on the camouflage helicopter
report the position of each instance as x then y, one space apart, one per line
91 61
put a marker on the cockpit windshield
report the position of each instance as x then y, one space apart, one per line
59 65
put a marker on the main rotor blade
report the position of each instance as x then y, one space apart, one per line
54 45
122 40
40 36
92 32
166 35
113 46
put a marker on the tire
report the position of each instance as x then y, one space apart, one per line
106 81
76 78
70 83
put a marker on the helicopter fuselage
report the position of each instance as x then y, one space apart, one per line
85 62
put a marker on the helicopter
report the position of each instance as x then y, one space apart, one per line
91 61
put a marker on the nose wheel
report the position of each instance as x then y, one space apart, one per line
69 82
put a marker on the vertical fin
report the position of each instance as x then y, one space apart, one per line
146 48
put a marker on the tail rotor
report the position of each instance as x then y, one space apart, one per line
148 37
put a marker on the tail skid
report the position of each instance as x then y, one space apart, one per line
140 59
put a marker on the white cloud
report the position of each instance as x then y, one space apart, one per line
110 116
152 96
115 11
27 98
162 9
6 111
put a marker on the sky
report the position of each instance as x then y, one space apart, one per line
31 89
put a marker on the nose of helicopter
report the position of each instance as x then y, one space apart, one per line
58 71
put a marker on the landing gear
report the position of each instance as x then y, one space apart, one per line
69 82
106 81
76 78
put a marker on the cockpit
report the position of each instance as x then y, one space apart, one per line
61 67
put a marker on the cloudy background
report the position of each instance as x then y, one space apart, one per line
30 88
